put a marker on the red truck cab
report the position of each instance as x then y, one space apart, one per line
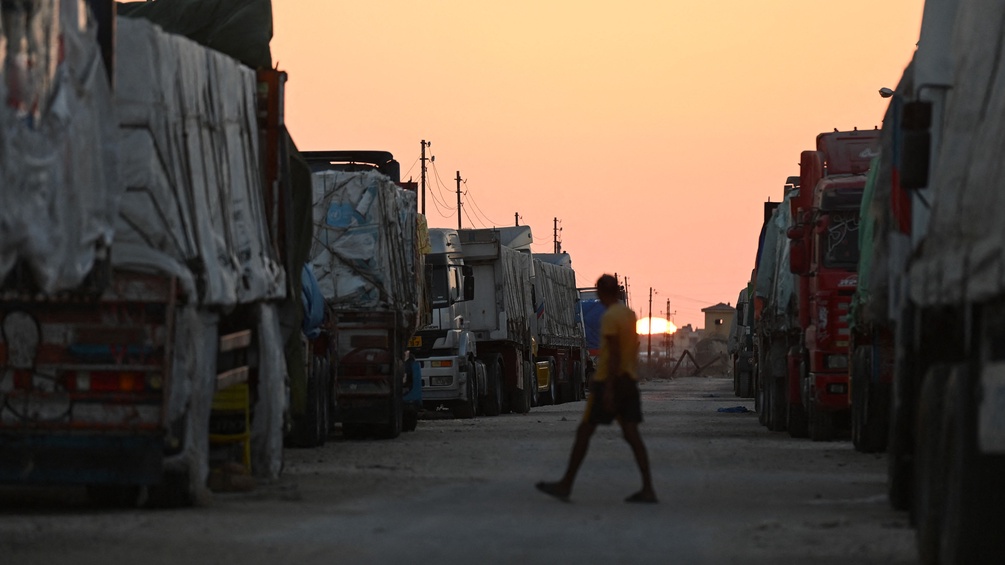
824 253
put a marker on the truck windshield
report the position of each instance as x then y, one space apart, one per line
440 287
839 244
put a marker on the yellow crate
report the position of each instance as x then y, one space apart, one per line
234 404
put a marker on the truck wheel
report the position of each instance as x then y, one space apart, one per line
745 384
971 512
309 431
552 392
576 382
821 423
762 405
521 396
777 406
466 409
796 421
870 407
929 471
395 407
492 401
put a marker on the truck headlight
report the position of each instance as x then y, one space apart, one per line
836 361
441 381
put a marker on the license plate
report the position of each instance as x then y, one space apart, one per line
415 341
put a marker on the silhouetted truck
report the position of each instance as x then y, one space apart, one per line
947 439
139 276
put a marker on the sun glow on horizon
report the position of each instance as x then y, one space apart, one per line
659 326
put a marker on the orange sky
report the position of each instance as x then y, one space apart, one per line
653 131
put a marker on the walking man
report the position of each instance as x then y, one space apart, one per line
614 394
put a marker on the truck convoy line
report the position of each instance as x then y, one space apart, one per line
197 293
914 348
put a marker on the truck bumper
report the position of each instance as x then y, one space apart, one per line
829 391
443 384
81 459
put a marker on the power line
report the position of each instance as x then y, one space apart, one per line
410 168
478 209
441 187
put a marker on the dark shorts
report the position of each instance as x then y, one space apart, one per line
627 405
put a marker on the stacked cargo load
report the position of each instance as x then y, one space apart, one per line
366 259
560 336
147 270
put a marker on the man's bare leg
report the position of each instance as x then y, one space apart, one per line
563 488
630 430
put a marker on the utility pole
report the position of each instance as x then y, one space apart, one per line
649 348
424 144
666 336
458 179
558 244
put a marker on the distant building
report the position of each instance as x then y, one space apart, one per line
718 320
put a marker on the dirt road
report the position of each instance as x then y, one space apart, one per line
460 491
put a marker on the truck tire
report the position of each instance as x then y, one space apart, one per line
760 400
929 447
309 431
466 409
870 408
745 384
550 396
777 406
972 520
522 396
492 401
576 381
395 406
796 421
821 423
900 443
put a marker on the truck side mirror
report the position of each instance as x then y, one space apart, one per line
916 146
799 260
469 286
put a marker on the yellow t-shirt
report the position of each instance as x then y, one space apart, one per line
619 321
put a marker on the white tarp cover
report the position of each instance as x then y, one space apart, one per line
365 250
963 257
193 207
58 178
517 269
555 295
775 282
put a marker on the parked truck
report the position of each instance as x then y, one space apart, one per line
124 312
453 375
741 345
946 448
824 254
776 319
561 342
367 261
501 313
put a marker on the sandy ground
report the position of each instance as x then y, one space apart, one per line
458 491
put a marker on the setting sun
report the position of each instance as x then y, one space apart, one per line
659 326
